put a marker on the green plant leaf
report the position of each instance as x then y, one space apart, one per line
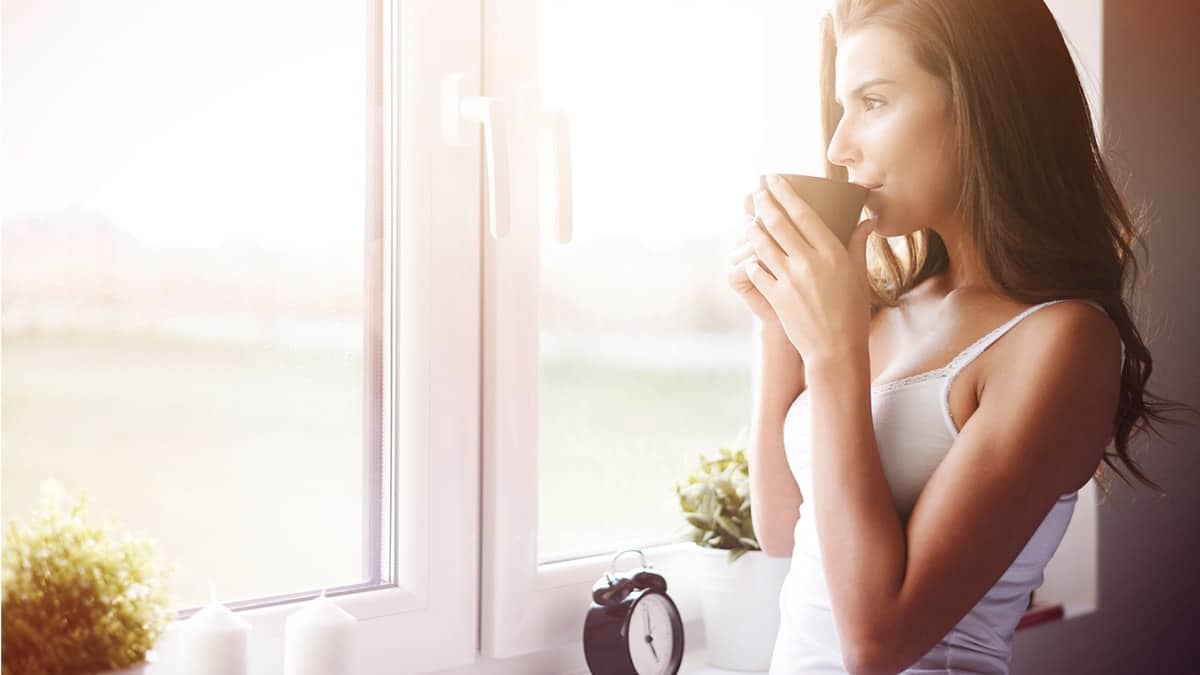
76 596
694 490
716 501
724 487
699 521
729 527
748 524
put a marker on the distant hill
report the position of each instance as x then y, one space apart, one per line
76 261
76 258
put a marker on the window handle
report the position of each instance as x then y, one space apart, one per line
459 114
536 119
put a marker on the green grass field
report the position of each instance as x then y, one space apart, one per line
244 463
615 441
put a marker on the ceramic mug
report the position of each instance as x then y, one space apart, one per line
839 203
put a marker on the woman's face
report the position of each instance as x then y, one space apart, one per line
895 133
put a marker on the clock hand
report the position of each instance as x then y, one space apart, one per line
653 650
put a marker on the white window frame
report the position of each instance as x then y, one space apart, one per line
529 608
428 619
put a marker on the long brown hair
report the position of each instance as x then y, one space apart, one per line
1045 219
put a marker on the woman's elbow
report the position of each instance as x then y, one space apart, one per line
776 546
868 661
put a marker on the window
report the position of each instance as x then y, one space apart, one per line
186 315
614 352
217 303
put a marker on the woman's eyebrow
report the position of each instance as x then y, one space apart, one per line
869 83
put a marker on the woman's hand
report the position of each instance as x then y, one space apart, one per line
816 287
740 282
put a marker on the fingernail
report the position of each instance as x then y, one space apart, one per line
773 178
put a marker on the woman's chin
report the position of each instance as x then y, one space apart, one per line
881 226
886 227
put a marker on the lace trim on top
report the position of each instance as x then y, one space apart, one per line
968 354
910 380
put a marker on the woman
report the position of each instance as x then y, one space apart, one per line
964 390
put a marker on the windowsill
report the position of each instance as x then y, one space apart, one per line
695 652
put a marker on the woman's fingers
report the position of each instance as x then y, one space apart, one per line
741 253
744 249
744 229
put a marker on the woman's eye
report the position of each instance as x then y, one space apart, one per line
868 101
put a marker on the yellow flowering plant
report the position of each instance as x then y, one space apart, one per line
76 599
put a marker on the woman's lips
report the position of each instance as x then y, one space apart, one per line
872 198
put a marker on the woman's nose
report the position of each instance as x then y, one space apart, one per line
841 152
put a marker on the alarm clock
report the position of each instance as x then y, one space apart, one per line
632 627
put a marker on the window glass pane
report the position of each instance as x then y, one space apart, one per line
183 280
646 354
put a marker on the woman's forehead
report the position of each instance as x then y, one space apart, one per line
872 53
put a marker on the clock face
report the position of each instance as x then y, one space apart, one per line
652 636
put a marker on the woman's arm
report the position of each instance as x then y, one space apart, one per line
1039 432
774 495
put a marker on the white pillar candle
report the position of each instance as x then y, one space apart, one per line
214 641
317 639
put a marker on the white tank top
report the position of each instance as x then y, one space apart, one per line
914 430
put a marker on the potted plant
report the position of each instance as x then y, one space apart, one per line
739 583
77 600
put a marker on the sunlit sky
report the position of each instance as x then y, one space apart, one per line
193 123
188 123
676 107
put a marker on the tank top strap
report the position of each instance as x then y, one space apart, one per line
966 356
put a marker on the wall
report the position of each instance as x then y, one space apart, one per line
1149 546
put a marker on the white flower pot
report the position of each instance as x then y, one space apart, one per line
740 605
